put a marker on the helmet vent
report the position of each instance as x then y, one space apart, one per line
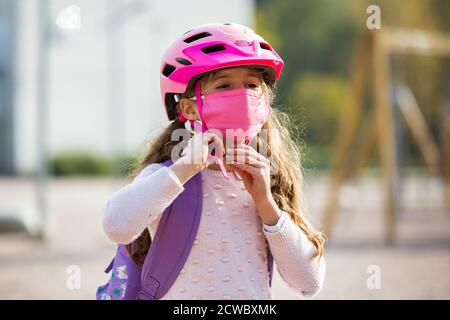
168 69
214 48
183 61
197 36
265 46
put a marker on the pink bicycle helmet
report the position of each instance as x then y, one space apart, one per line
210 47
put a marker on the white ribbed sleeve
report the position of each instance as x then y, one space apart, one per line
134 207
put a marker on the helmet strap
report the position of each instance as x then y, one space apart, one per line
198 97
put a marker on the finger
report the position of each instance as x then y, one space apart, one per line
255 154
239 171
259 155
243 156
249 169
243 175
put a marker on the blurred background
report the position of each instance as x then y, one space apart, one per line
79 101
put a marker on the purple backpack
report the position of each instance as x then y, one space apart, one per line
167 254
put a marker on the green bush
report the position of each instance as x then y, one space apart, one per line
124 165
75 163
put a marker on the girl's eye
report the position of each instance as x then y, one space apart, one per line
252 86
223 86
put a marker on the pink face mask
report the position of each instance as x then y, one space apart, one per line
238 114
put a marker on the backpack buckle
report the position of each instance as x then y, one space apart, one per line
149 289
144 295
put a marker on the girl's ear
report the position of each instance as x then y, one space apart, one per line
189 109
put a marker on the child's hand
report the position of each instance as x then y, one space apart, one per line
196 155
254 170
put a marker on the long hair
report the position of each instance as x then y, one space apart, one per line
286 180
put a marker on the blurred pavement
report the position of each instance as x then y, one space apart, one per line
415 267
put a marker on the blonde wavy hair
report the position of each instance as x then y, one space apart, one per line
286 181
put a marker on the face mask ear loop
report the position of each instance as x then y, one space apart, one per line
198 96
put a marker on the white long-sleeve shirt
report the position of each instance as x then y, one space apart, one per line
228 259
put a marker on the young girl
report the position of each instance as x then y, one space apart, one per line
215 78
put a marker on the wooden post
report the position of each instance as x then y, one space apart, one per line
385 127
445 166
367 144
418 127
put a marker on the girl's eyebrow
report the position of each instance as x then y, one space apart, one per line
221 77
224 75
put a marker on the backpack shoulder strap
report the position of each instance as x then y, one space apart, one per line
173 241
270 265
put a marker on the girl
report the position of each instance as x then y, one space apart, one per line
215 78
